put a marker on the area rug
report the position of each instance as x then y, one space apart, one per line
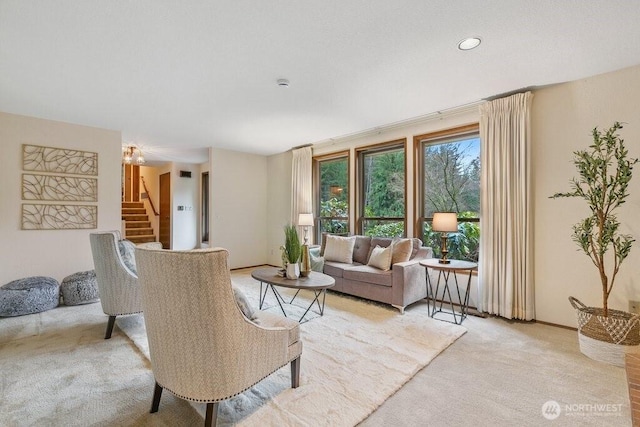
354 357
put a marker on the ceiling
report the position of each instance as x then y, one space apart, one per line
179 76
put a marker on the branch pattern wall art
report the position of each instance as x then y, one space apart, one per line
58 217
59 160
52 184
61 188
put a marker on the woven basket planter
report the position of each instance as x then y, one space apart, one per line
606 339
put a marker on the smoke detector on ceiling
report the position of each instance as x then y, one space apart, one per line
283 82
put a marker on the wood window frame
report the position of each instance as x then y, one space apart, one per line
359 154
316 160
418 167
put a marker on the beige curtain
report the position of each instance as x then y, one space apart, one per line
506 250
301 186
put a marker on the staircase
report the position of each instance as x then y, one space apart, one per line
137 226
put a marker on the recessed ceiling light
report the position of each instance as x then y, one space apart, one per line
283 82
469 43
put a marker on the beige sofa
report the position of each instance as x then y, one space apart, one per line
403 284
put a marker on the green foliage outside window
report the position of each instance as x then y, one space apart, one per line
384 193
334 196
452 184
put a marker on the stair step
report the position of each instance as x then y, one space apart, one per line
135 217
139 232
134 211
135 205
142 238
137 224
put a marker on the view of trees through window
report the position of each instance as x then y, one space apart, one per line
451 173
383 191
334 196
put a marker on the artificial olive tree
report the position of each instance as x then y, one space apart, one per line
604 173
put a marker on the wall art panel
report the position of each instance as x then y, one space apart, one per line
59 188
59 160
59 217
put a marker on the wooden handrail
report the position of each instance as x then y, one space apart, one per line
144 184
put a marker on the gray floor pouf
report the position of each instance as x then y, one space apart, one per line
80 288
29 295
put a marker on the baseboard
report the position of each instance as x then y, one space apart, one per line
556 325
255 266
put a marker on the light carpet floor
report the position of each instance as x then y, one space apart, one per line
354 358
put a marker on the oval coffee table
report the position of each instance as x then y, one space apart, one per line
316 282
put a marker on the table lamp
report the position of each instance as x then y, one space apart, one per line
305 220
444 223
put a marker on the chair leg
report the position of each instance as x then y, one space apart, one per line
157 393
112 321
212 414
295 373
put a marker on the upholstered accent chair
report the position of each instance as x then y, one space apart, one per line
202 347
117 283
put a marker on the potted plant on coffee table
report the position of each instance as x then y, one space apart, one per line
604 173
291 251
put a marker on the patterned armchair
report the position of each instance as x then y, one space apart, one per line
117 282
202 347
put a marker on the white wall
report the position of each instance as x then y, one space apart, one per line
55 253
278 203
239 206
562 119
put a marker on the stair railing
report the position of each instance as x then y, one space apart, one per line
144 185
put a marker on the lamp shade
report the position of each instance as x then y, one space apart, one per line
446 222
305 219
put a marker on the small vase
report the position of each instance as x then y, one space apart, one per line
293 270
305 262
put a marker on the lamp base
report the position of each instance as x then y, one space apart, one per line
444 250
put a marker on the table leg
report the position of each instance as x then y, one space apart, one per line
430 298
315 300
278 298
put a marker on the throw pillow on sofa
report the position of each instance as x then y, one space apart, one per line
401 250
381 258
243 305
339 249
128 253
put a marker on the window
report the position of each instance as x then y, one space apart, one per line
331 175
382 190
449 181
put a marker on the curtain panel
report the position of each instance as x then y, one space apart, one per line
301 185
506 247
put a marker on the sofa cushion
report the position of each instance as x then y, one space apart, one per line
368 274
381 258
272 320
417 244
361 249
383 242
317 261
401 250
335 269
339 249
323 241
